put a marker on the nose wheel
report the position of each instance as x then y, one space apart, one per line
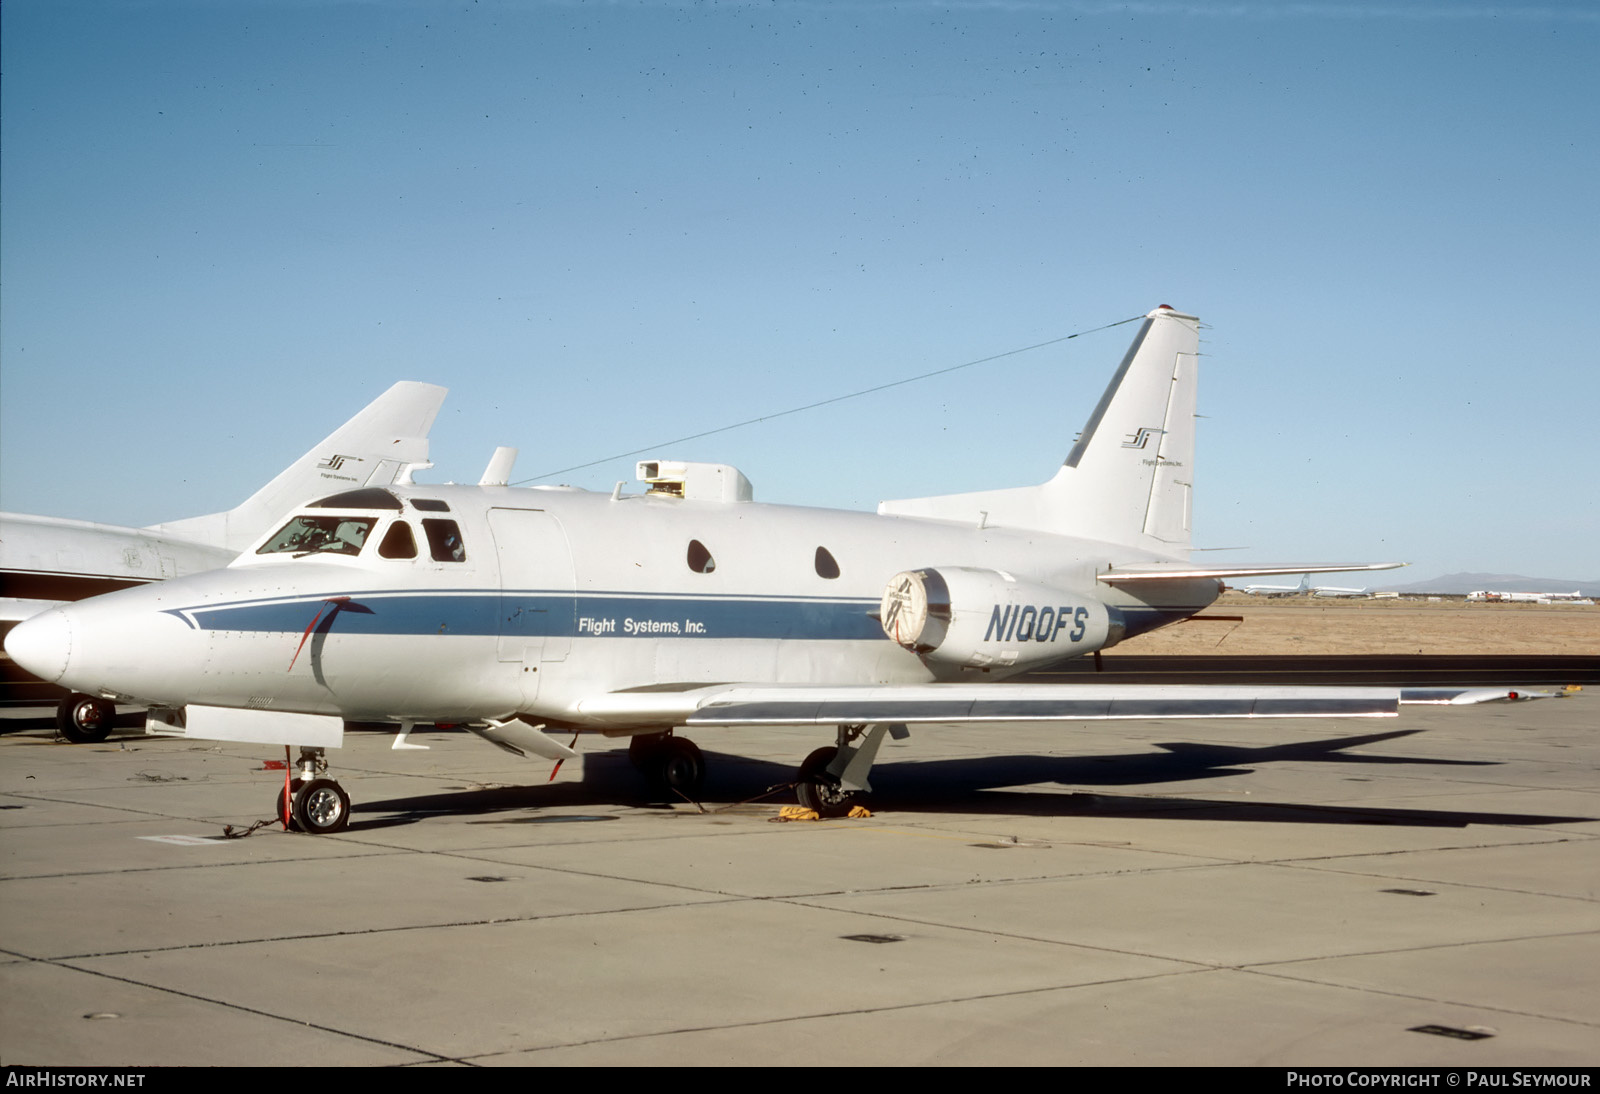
321 806
311 803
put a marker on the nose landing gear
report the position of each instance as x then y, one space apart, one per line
312 803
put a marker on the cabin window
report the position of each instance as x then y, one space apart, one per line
827 566
700 560
398 542
430 505
444 540
330 535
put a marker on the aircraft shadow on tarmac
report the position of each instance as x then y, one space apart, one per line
979 785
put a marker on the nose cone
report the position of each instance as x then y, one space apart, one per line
42 644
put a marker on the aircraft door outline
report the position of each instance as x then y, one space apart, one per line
538 591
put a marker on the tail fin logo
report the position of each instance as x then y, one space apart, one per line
1141 438
334 463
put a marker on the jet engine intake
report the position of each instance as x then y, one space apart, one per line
975 618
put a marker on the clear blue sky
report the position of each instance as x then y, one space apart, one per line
227 224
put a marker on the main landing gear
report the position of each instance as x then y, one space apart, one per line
831 778
85 720
314 804
671 765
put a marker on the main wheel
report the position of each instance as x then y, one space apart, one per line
820 791
83 719
321 806
682 767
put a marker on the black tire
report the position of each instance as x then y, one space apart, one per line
819 791
84 720
321 807
683 768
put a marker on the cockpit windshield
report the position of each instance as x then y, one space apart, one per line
330 535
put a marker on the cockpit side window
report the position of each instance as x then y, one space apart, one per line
323 535
444 540
398 542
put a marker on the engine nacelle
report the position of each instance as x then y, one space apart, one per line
975 618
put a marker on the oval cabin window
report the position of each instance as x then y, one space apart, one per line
826 565
700 560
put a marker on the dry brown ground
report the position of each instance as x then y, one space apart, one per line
1301 625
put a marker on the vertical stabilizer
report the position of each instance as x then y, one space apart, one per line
372 449
1129 477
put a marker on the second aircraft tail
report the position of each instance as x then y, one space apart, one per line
387 437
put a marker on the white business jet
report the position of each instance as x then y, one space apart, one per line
513 611
45 561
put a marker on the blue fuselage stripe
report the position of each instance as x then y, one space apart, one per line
564 615
553 615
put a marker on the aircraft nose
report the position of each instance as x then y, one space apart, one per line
42 644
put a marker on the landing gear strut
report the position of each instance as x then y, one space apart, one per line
670 764
83 719
317 805
831 778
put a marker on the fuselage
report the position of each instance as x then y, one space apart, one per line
454 604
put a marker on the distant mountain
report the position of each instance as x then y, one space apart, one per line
1461 584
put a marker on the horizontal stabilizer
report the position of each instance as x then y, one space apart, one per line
1185 571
